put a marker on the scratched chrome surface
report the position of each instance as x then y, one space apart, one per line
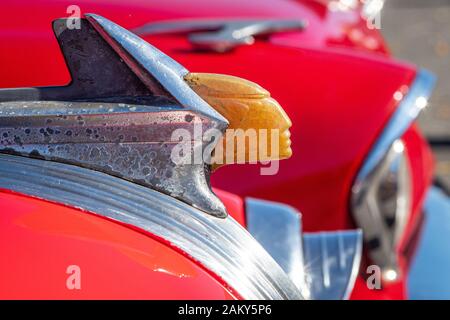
118 114
221 245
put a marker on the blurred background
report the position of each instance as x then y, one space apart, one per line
419 31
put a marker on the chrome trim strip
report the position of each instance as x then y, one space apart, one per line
401 120
221 245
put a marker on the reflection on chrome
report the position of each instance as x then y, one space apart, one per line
221 34
221 245
138 87
322 265
381 194
421 102
372 8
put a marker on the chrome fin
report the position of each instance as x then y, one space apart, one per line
117 115
222 246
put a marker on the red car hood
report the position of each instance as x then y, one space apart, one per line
26 36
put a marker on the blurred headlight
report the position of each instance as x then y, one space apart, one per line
382 206
381 195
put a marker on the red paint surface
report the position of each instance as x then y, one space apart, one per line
39 240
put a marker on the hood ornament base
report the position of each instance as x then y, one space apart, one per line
117 115
123 110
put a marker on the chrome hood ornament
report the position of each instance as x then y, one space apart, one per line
125 109
221 35
117 115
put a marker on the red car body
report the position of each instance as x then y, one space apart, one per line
335 79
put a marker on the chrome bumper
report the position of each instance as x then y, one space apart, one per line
323 265
429 276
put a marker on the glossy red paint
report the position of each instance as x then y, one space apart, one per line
26 35
421 165
334 79
361 291
39 240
